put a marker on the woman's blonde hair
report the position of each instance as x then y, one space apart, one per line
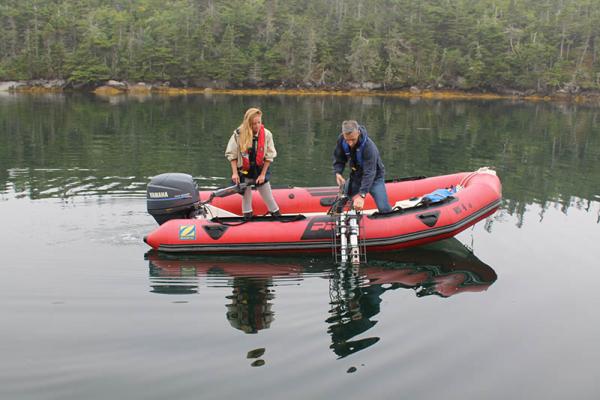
246 128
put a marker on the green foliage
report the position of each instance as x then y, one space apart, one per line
364 59
465 44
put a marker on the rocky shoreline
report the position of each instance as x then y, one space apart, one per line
114 87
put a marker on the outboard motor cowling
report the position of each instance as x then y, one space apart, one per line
172 196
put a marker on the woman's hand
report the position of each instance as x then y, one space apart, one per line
260 180
235 178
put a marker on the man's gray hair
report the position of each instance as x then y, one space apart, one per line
349 126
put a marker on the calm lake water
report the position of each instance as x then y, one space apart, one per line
507 310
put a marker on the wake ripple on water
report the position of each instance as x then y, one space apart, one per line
41 183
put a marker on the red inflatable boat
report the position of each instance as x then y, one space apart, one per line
417 218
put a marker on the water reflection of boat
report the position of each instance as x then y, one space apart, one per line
444 269
249 304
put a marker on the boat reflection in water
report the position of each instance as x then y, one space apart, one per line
443 269
252 282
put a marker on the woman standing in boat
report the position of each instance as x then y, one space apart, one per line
251 151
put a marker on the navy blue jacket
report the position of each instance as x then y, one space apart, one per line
365 162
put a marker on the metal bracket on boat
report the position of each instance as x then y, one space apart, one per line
347 231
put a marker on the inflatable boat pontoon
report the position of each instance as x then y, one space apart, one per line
426 210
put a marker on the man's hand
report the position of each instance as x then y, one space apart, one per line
339 179
235 178
261 179
358 202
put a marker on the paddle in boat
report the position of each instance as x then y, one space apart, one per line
318 219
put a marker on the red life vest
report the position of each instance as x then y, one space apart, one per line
260 151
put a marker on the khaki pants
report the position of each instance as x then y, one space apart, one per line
265 193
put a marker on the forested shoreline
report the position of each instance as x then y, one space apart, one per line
500 46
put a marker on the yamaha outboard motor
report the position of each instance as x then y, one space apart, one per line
172 196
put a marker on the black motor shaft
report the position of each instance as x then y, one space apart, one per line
228 191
